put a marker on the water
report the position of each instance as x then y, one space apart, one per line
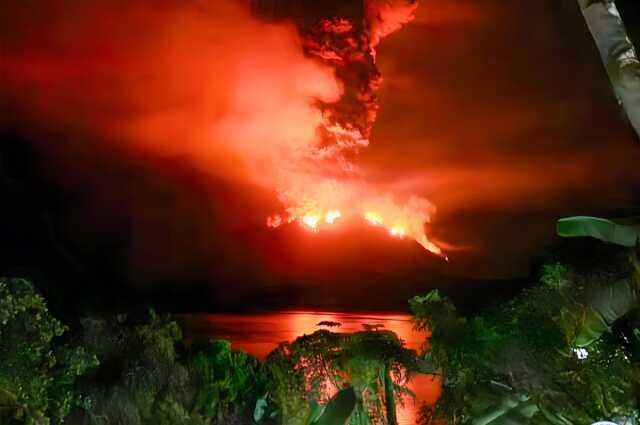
259 334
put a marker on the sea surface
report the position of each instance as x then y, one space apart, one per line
258 334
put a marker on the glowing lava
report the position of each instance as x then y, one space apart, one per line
311 221
407 223
331 216
373 218
397 231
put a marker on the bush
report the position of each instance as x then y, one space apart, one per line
37 373
529 360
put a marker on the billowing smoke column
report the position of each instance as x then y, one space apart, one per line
344 36
232 87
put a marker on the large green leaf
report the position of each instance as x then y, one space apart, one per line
606 305
498 404
591 328
338 409
625 232
615 300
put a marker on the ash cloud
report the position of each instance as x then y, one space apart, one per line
158 118
247 99
500 114
199 79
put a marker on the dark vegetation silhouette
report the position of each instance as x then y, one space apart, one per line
133 368
566 350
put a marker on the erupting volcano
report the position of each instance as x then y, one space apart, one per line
322 183
265 99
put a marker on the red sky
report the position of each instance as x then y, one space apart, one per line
498 112
501 114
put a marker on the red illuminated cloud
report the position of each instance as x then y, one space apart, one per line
502 115
176 78
211 82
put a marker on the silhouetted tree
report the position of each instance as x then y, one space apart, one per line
550 355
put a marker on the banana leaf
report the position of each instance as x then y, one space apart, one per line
609 303
606 305
338 410
498 404
625 232
591 328
614 301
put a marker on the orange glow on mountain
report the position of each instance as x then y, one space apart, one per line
373 218
331 216
398 231
311 221
401 221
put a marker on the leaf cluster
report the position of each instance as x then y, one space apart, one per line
37 371
525 351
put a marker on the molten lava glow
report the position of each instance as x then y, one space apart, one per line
408 219
373 218
397 231
331 216
315 206
311 221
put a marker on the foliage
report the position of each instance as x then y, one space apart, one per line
286 388
226 380
521 361
37 372
555 276
147 376
338 410
620 232
152 382
138 371
305 373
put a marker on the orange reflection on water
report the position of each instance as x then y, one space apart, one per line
259 334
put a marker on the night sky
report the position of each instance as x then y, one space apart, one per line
502 113
499 113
